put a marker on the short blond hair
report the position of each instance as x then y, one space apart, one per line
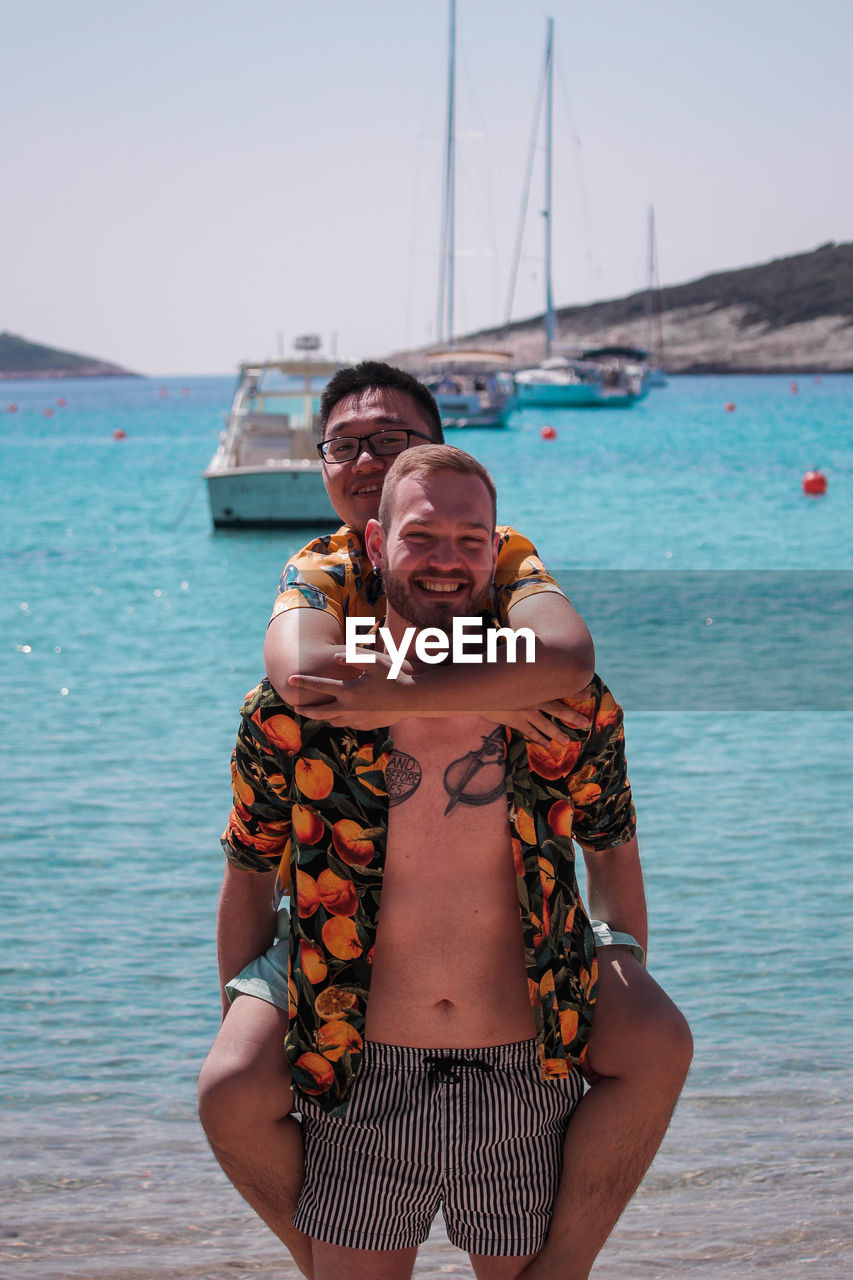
426 460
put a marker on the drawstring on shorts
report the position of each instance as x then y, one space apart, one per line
444 1068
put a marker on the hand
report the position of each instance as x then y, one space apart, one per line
533 722
364 698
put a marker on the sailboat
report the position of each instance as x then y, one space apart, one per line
596 378
471 386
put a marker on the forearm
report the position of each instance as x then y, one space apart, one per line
245 921
615 892
563 663
496 686
301 642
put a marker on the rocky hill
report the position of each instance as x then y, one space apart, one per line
22 359
790 315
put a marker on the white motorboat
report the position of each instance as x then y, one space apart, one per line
266 472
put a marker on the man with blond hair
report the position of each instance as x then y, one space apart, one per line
436 1050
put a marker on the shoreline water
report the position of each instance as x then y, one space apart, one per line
712 1204
129 645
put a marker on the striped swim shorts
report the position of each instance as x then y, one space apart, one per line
476 1133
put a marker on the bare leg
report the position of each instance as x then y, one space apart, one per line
639 1054
245 1101
332 1262
488 1268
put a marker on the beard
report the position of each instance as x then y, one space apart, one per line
439 612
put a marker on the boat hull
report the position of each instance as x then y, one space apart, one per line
275 497
544 395
468 411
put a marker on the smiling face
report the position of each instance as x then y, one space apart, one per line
354 488
439 550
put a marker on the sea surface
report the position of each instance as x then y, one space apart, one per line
720 599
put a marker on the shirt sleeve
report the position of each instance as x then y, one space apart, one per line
604 816
320 576
519 572
258 833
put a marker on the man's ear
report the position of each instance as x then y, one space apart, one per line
374 543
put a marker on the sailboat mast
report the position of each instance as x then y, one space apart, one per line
444 322
549 117
650 299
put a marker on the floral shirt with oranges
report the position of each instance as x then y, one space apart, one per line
311 802
333 573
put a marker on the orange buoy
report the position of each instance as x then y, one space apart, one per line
795 390
11 408
119 434
61 402
814 483
548 433
730 407
48 413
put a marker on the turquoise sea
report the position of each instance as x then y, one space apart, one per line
720 597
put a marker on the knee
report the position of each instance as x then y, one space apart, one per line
675 1041
236 1096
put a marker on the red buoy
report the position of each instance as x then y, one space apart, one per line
12 408
814 483
119 434
48 413
163 393
548 433
730 407
62 402
795 390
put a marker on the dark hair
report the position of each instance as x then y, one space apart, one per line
426 460
375 375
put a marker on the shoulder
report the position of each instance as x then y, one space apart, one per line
329 569
338 546
512 544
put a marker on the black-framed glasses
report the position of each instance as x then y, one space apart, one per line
382 444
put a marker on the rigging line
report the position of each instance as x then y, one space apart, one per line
445 283
185 508
549 143
413 223
590 252
657 304
480 191
528 177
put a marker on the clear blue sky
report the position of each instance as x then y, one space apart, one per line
183 181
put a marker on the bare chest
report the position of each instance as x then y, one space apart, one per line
447 787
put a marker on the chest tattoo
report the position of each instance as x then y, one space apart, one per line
478 777
402 776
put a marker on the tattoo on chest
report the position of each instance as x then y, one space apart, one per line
402 776
478 777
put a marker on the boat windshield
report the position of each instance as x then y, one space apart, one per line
284 394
